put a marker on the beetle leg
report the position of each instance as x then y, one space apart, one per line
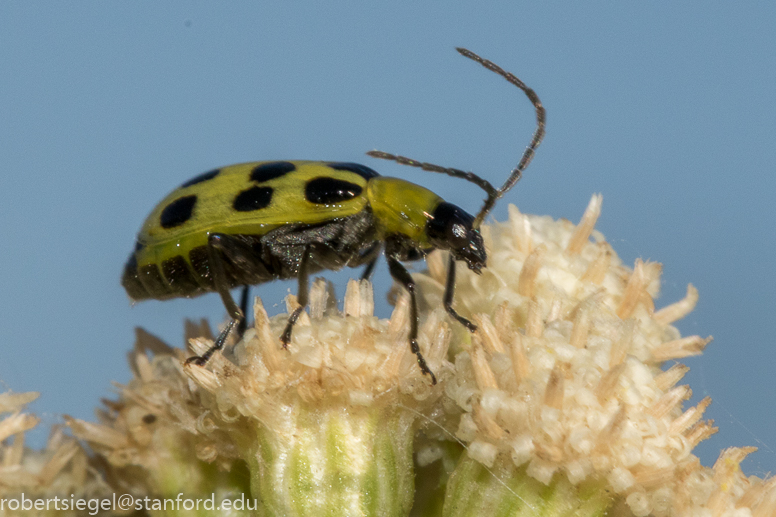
216 242
370 267
401 275
302 293
370 256
244 295
448 299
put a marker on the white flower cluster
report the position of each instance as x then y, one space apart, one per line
566 401
565 376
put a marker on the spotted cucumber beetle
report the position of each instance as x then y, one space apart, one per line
248 224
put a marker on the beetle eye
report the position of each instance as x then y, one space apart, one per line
459 231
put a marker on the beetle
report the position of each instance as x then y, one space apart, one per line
251 223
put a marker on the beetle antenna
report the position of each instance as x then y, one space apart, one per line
493 193
528 154
450 171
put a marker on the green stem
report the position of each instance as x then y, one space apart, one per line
503 490
334 460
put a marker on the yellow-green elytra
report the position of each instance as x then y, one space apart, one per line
310 203
250 223
248 200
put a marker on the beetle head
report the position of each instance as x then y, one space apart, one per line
450 228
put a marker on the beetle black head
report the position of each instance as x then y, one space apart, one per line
450 228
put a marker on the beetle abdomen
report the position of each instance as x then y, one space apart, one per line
191 276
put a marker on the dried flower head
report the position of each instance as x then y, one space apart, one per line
564 380
61 468
566 401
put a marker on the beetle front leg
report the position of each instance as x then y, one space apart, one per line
448 297
401 275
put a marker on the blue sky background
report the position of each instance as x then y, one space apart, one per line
668 110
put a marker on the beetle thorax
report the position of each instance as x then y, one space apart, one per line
402 208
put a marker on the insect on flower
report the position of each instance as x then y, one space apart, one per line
251 223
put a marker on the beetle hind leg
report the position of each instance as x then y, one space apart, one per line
218 243
302 295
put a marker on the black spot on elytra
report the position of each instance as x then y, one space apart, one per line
270 171
254 198
178 212
149 419
362 170
327 191
202 177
